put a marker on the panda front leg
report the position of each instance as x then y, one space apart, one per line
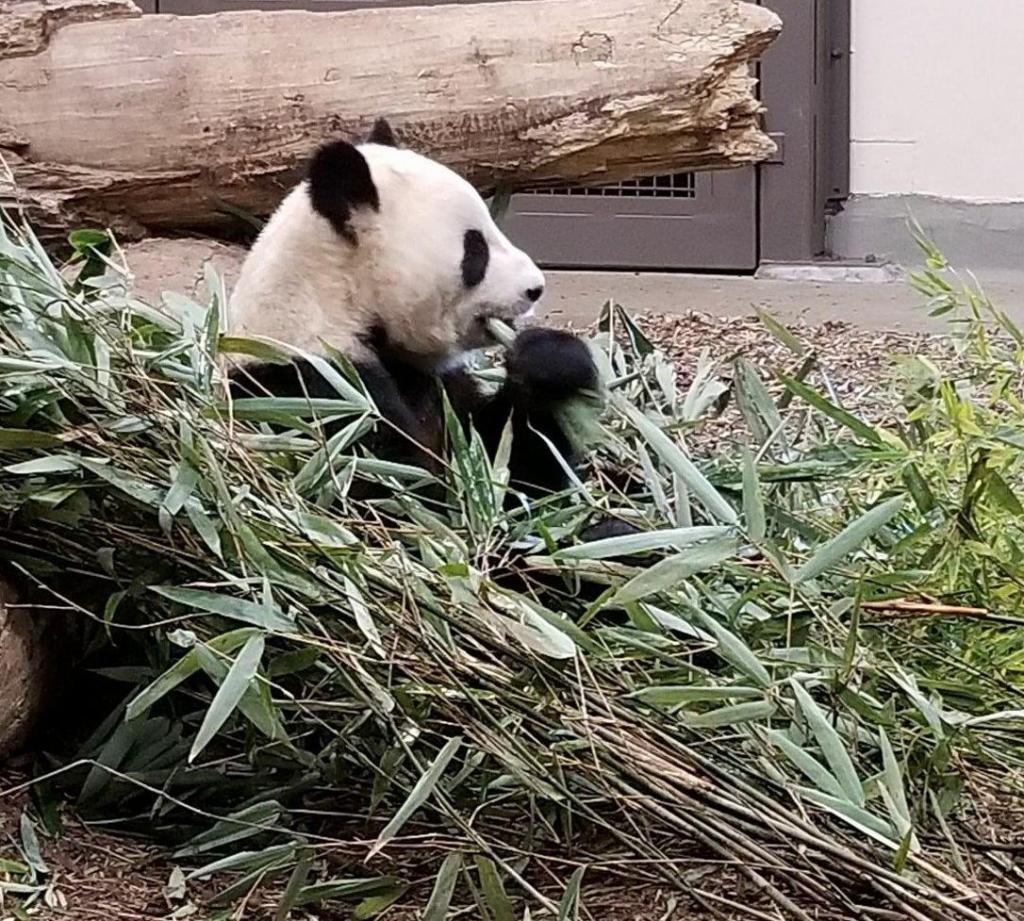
404 436
545 369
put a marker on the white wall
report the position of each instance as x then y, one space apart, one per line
937 98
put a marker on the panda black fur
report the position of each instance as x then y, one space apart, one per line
394 260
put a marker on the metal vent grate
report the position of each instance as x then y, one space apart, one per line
674 185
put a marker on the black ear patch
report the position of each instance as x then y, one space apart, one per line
340 182
382 133
475 256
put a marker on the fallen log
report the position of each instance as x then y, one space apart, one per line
156 123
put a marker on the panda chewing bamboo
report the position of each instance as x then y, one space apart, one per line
395 261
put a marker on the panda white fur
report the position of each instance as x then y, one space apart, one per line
394 260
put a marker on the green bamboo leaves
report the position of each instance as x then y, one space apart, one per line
851 538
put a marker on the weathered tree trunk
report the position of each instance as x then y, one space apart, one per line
26 672
156 122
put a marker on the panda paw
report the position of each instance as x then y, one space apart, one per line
550 365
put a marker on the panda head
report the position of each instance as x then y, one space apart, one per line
420 246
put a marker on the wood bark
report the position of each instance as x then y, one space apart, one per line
26 672
153 123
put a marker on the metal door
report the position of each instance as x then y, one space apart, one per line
704 220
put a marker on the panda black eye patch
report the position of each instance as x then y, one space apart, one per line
475 256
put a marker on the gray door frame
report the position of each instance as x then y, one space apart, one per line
734 220
805 85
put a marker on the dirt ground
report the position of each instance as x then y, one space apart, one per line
93 874
576 297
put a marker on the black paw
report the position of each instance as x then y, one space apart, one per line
550 365
606 528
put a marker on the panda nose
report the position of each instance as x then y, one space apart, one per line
533 294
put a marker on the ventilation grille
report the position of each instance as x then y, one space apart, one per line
674 185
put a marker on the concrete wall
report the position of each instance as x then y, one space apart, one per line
936 129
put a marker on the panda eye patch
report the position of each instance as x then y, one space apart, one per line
475 256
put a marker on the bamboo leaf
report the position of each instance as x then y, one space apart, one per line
318 893
131 485
569 906
444 887
30 845
895 797
541 631
780 332
669 695
753 501
205 528
235 684
831 745
1001 493
238 826
498 904
500 202
645 542
732 715
267 408
418 795
755 402
844 418
854 815
811 768
296 883
374 905
266 351
679 463
181 670
638 340
245 860
26 439
851 538
670 572
268 618
185 481
733 649
364 619
899 861
56 463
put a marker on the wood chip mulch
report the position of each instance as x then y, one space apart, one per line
854 367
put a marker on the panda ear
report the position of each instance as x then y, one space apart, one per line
340 182
382 133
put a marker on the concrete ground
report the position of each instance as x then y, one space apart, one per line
577 297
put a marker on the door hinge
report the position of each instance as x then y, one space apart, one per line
779 137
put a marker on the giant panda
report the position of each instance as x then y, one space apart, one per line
394 261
